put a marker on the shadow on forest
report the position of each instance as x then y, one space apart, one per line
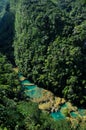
7 35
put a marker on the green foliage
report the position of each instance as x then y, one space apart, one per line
17 113
49 45
2 6
7 33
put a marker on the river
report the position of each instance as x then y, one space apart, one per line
57 107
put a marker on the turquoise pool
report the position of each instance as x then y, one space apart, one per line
25 82
57 115
33 91
82 112
64 105
74 114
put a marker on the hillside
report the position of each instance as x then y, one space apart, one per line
49 45
46 40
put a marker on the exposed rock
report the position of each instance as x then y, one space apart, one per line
71 107
84 118
22 78
65 111
63 101
15 70
74 122
57 100
45 106
50 103
41 100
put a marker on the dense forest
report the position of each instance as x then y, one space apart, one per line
46 40
50 46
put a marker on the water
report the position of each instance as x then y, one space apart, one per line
20 75
27 86
25 82
30 93
57 115
30 89
82 112
35 92
64 105
74 114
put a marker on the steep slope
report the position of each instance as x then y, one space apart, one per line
49 45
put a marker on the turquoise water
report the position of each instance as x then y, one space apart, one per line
82 112
32 91
35 92
64 105
73 114
25 82
20 75
29 87
57 115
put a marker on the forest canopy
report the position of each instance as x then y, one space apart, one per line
46 40
49 45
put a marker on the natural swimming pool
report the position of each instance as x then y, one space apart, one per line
33 91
